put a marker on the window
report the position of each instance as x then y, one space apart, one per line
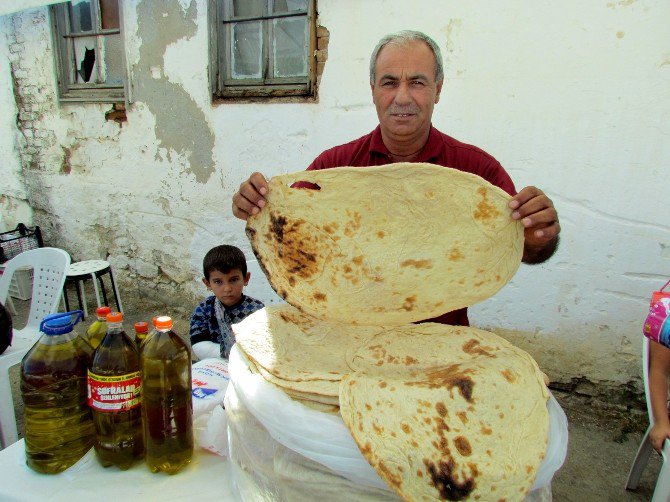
89 50
263 48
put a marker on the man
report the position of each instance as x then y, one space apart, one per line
406 78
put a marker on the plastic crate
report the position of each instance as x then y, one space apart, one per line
22 238
21 285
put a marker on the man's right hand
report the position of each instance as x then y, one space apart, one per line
249 199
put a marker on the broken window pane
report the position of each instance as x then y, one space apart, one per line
290 47
247 50
84 56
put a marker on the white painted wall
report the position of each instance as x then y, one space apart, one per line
573 97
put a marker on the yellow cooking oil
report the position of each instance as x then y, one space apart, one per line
114 384
96 331
58 425
167 409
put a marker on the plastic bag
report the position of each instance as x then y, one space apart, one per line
210 424
210 379
266 470
321 437
211 431
657 325
274 421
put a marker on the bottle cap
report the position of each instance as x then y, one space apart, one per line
153 320
102 311
141 327
58 324
115 317
163 322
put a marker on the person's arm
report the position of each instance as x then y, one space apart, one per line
659 371
250 198
200 334
540 220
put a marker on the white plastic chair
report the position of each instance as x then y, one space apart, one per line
49 268
662 490
259 287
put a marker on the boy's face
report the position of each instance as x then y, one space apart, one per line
227 287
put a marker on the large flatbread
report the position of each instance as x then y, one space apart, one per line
386 245
421 346
322 391
291 345
471 426
325 399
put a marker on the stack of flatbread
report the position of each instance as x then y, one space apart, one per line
302 355
440 412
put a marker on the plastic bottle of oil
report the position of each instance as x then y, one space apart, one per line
114 396
96 331
166 399
58 425
141 332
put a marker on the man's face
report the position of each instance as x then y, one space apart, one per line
227 287
405 90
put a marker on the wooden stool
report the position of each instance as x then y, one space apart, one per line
79 272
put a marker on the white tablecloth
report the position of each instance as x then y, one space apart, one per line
207 476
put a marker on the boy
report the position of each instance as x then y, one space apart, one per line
225 275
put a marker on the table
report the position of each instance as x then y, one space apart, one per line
207 476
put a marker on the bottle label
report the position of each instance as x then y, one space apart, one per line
114 393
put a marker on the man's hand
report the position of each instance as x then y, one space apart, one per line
249 199
540 221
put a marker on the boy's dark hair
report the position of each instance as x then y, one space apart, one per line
224 258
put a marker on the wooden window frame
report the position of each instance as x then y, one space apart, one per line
64 57
265 87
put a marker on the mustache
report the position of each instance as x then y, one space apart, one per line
403 110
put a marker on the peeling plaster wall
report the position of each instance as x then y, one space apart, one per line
14 206
573 97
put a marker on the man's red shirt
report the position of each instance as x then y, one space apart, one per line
440 149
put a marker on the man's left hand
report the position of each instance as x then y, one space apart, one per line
540 220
